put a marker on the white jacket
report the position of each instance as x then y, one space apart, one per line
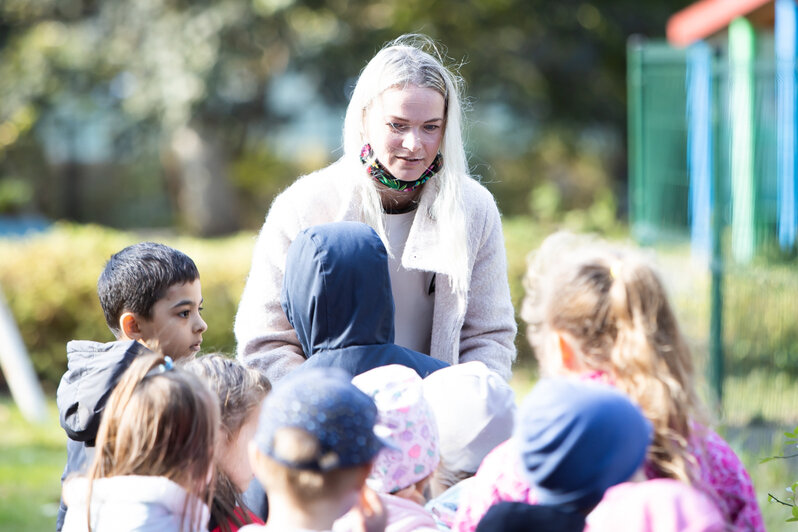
482 329
131 503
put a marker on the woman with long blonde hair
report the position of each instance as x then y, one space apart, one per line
154 455
404 172
599 312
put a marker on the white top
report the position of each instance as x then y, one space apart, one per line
128 503
412 298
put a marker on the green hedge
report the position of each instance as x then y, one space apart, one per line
50 283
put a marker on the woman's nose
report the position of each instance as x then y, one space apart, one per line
410 142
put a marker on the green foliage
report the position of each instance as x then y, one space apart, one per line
770 290
789 500
50 282
521 235
561 178
260 175
103 86
15 194
32 458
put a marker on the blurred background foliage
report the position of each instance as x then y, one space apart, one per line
154 113
50 283
179 121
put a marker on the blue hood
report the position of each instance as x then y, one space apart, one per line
336 290
337 296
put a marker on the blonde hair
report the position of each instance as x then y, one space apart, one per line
159 423
415 60
240 391
293 444
612 305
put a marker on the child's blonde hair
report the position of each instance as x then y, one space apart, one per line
159 421
612 307
240 391
294 445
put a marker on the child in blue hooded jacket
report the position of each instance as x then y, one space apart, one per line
337 296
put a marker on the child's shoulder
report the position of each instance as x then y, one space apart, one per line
99 361
90 348
93 370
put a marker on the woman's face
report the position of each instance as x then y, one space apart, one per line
405 128
233 459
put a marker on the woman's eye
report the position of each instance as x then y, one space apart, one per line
431 128
201 309
183 313
397 127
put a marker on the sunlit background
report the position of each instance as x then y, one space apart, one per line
124 120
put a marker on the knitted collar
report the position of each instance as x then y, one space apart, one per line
376 170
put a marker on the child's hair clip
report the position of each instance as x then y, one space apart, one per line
167 365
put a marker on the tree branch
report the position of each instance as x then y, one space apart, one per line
779 500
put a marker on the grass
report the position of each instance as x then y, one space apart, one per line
760 333
32 458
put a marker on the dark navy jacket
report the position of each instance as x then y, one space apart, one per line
520 517
93 369
337 296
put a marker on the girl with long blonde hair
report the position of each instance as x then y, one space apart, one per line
599 312
154 455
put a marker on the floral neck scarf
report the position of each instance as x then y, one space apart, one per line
376 170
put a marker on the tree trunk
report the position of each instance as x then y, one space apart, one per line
204 199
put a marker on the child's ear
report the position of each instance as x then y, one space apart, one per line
258 462
129 325
364 472
568 357
254 455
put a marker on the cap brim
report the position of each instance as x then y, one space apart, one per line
388 444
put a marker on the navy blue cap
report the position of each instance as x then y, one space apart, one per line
579 438
324 403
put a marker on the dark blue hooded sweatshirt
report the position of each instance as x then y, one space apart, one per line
337 296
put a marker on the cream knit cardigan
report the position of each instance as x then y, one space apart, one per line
482 327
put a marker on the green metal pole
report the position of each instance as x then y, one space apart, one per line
634 81
742 53
715 366
716 308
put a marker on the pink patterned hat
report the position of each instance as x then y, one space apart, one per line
405 419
